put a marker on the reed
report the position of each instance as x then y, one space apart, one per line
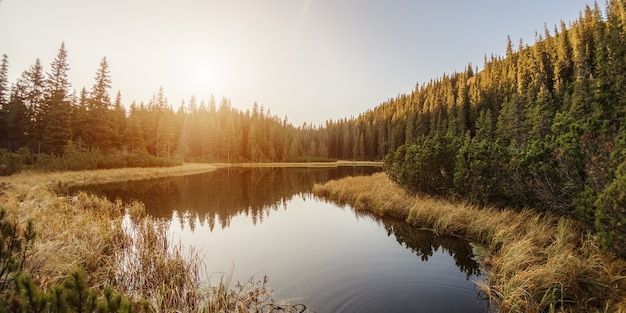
537 262
117 244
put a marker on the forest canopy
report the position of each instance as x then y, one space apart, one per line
541 127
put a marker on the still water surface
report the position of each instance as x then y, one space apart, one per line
263 221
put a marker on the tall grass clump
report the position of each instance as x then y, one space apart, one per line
537 262
90 254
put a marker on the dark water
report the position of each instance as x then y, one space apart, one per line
264 221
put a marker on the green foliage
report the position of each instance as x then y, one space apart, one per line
78 157
544 127
14 245
10 162
72 296
19 293
426 165
482 172
610 213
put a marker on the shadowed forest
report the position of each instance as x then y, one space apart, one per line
542 127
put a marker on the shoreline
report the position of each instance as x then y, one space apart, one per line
90 234
536 262
88 177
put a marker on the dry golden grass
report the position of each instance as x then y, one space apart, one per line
308 164
538 262
117 244
88 177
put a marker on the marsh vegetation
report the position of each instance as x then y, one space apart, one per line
91 254
537 262
263 222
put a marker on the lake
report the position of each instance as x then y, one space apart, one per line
257 222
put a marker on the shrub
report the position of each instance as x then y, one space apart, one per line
19 293
10 162
483 173
425 166
610 217
76 157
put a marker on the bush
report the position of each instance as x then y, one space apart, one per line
483 172
10 162
18 292
76 157
610 214
425 166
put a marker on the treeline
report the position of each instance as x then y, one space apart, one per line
542 127
45 123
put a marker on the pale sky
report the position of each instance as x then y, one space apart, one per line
309 60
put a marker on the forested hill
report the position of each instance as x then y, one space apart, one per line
543 127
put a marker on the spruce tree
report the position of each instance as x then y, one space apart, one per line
29 92
135 130
56 114
4 81
101 131
4 96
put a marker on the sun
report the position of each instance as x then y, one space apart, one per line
204 75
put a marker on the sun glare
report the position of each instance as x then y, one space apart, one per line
204 75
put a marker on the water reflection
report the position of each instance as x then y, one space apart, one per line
219 195
425 243
266 220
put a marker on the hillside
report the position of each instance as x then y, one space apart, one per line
541 127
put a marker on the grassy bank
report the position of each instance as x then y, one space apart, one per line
115 244
310 164
537 262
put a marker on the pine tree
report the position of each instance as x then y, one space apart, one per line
182 125
135 131
29 92
56 113
210 140
119 114
564 64
165 133
99 92
4 96
101 120
57 81
79 116
4 81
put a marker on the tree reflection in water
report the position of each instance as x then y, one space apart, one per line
425 243
216 197
219 195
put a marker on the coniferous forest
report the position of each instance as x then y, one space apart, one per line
542 126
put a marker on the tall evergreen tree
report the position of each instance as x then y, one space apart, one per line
29 92
119 114
80 110
4 81
101 131
57 81
4 97
56 114
135 131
